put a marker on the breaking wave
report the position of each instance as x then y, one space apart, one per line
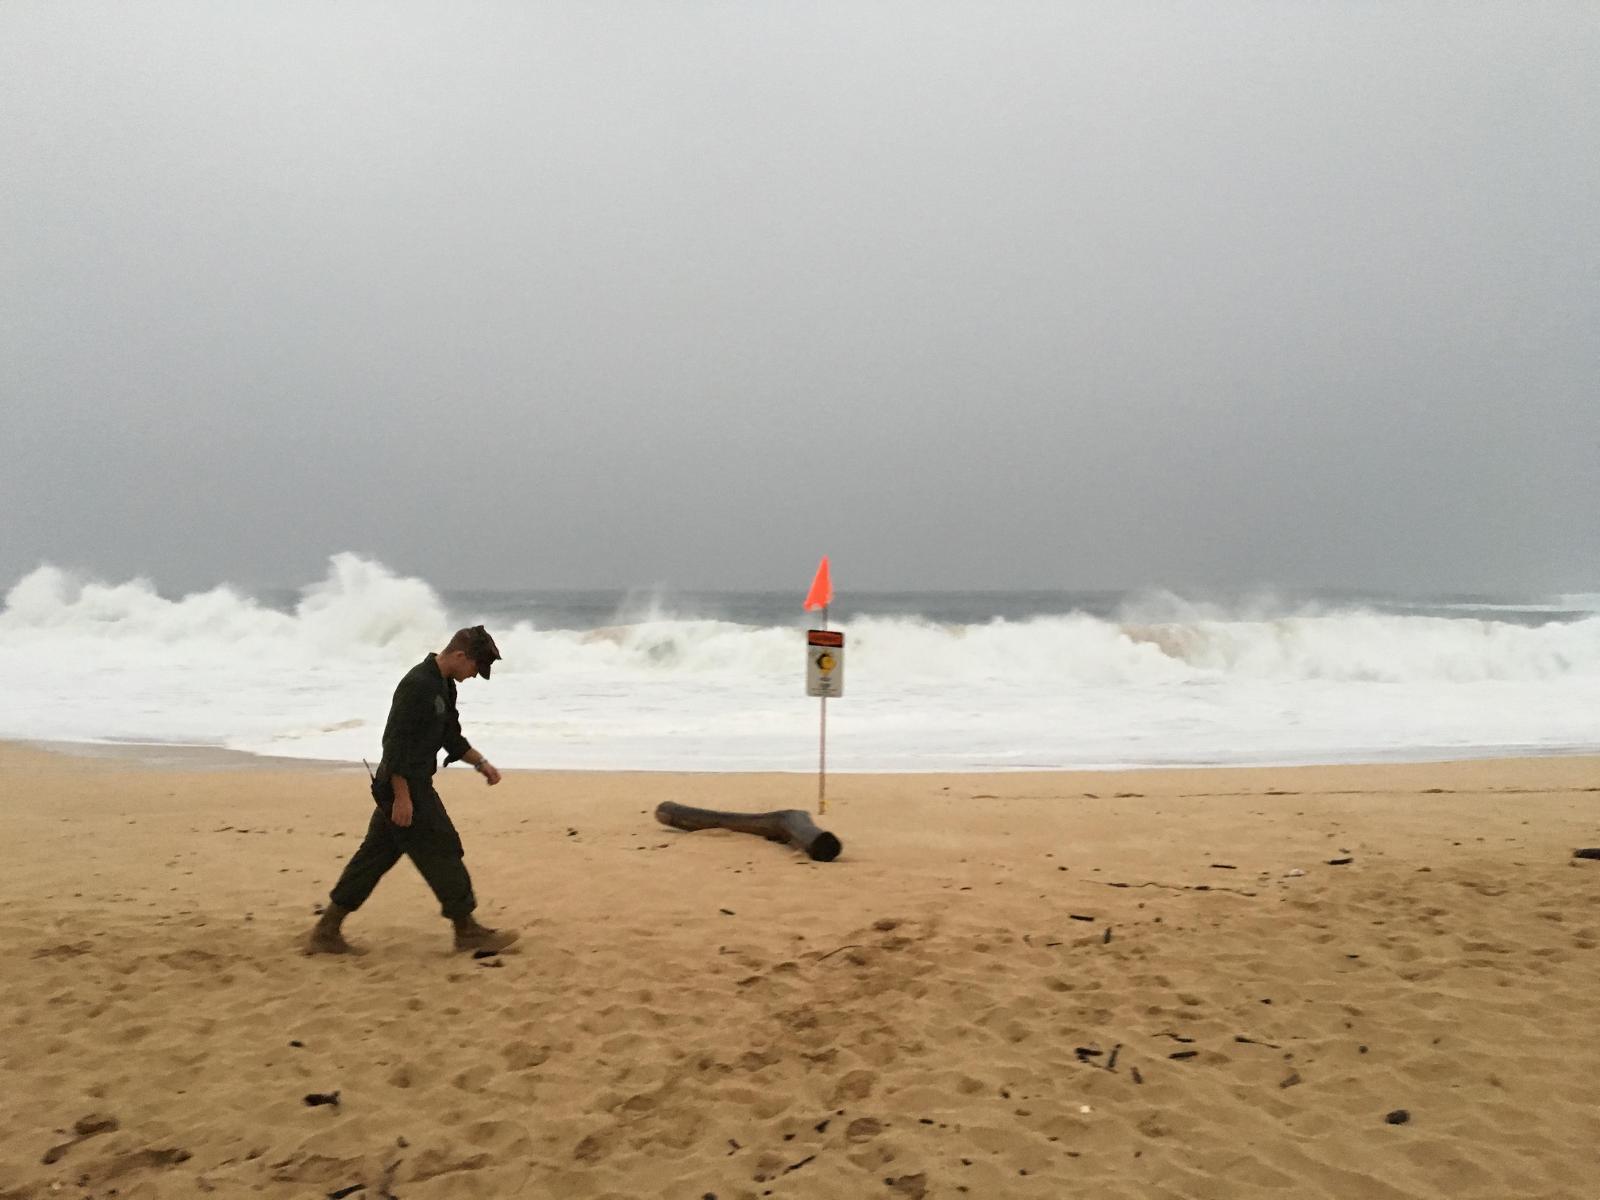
364 611
615 684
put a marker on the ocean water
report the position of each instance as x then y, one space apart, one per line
935 681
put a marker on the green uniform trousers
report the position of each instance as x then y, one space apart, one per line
431 842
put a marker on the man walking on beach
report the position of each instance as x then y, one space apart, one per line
410 818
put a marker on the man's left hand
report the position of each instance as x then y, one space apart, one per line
490 775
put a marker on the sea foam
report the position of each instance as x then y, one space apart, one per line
1163 680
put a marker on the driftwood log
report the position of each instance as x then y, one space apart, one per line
786 825
1589 852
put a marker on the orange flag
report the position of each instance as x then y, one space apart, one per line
821 593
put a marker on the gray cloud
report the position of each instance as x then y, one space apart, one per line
964 294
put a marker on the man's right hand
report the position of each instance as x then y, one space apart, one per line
400 810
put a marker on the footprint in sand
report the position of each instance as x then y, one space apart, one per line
522 1056
431 1164
474 1079
857 1085
863 1129
66 950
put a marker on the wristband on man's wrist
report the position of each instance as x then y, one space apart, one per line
480 765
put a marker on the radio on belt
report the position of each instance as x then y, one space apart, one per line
824 662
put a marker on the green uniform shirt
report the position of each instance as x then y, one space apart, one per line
422 721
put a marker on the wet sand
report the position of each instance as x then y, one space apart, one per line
1212 983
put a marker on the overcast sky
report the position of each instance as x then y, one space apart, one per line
979 294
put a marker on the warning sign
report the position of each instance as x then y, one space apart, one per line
824 662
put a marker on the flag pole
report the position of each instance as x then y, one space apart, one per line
818 596
822 745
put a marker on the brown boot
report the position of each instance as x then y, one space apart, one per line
327 937
472 936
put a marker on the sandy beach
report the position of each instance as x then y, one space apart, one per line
1218 983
